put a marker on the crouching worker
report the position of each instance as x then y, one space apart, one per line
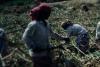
80 32
36 36
98 35
3 43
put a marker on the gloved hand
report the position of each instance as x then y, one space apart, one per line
67 40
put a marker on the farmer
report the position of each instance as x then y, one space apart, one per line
98 35
36 36
3 43
80 32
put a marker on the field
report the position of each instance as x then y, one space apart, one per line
14 19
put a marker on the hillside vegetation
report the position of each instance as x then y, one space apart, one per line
14 19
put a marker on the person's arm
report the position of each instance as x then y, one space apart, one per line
69 34
57 36
70 31
27 36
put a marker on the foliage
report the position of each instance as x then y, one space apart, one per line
14 22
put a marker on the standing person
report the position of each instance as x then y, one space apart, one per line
98 35
80 32
36 36
3 43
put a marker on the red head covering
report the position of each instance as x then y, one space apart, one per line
41 12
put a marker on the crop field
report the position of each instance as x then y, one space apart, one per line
14 19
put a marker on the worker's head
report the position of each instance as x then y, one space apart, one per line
41 12
66 24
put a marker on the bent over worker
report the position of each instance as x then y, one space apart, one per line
81 34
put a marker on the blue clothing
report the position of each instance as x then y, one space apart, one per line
2 33
82 41
75 30
3 44
81 33
37 34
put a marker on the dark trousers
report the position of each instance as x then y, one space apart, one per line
42 60
83 42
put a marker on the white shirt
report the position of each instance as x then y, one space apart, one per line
37 35
75 30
